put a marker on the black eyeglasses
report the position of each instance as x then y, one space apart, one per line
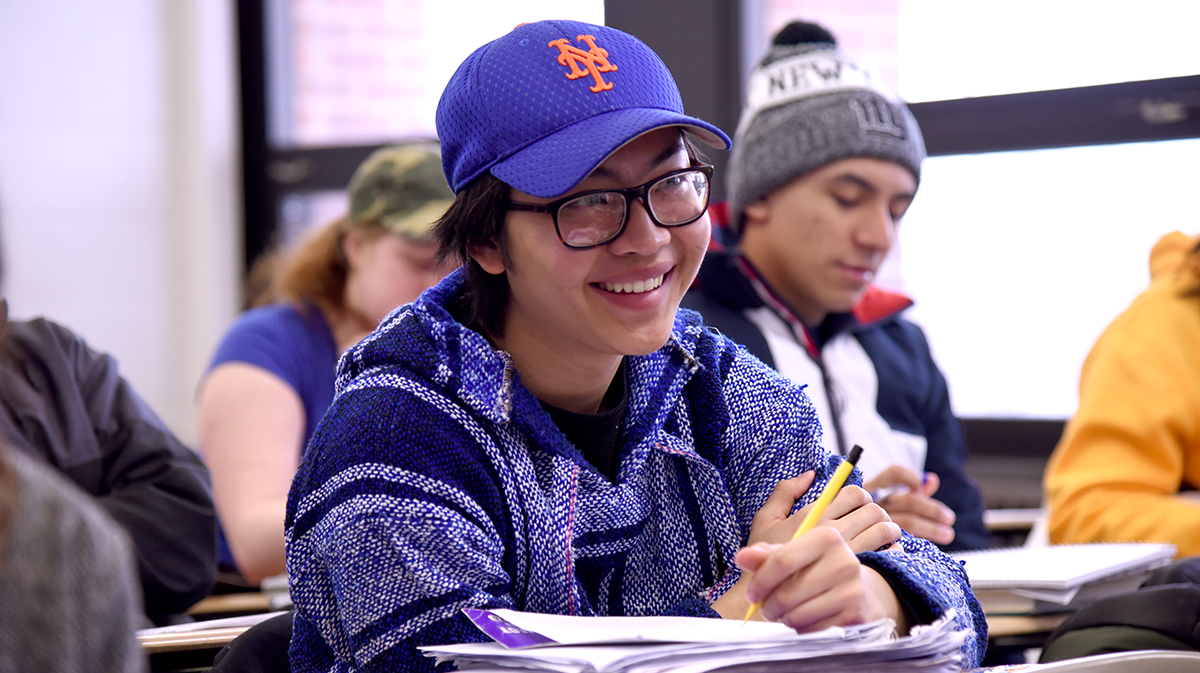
597 217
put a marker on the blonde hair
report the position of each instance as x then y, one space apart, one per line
314 272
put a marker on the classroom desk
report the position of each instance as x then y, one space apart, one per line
191 647
999 626
1019 626
227 605
207 639
1013 527
1004 520
1009 636
187 651
194 650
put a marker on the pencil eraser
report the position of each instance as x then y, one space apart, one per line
854 454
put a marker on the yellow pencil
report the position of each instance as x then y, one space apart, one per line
827 495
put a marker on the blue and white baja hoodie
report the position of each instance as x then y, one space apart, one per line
436 481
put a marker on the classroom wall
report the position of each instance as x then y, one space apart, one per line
119 165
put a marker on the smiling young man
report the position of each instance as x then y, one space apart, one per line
544 431
824 167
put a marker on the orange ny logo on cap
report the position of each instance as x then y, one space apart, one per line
594 59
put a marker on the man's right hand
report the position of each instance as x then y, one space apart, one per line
907 497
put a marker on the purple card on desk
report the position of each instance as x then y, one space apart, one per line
504 632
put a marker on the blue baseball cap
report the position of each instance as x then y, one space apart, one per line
544 105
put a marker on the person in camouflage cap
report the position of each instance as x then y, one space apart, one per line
403 188
273 374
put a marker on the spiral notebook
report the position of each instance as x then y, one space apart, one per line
1059 577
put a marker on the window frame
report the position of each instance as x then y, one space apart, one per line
709 61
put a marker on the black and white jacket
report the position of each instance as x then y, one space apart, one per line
869 373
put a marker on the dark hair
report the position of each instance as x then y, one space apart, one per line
8 496
475 219
8 476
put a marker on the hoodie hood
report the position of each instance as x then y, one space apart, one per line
424 338
1171 255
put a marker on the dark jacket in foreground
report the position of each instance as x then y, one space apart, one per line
66 405
69 601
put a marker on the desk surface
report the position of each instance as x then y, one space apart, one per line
205 639
1006 626
204 635
1011 519
248 602
999 626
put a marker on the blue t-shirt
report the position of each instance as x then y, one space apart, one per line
293 343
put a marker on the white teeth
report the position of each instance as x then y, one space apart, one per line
636 287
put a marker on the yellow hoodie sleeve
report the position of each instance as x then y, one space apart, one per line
1117 472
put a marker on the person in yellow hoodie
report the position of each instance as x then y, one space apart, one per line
1127 458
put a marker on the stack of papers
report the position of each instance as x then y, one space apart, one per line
1057 578
559 644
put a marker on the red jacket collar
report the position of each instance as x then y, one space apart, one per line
878 303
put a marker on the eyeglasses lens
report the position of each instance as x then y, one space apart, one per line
591 219
679 198
597 218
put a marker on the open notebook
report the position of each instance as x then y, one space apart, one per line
1059 577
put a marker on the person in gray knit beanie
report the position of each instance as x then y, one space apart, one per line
807 105
825 165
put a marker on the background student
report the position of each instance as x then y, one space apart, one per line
272 376
1126 458
65 405
544 431
825 164
69 599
